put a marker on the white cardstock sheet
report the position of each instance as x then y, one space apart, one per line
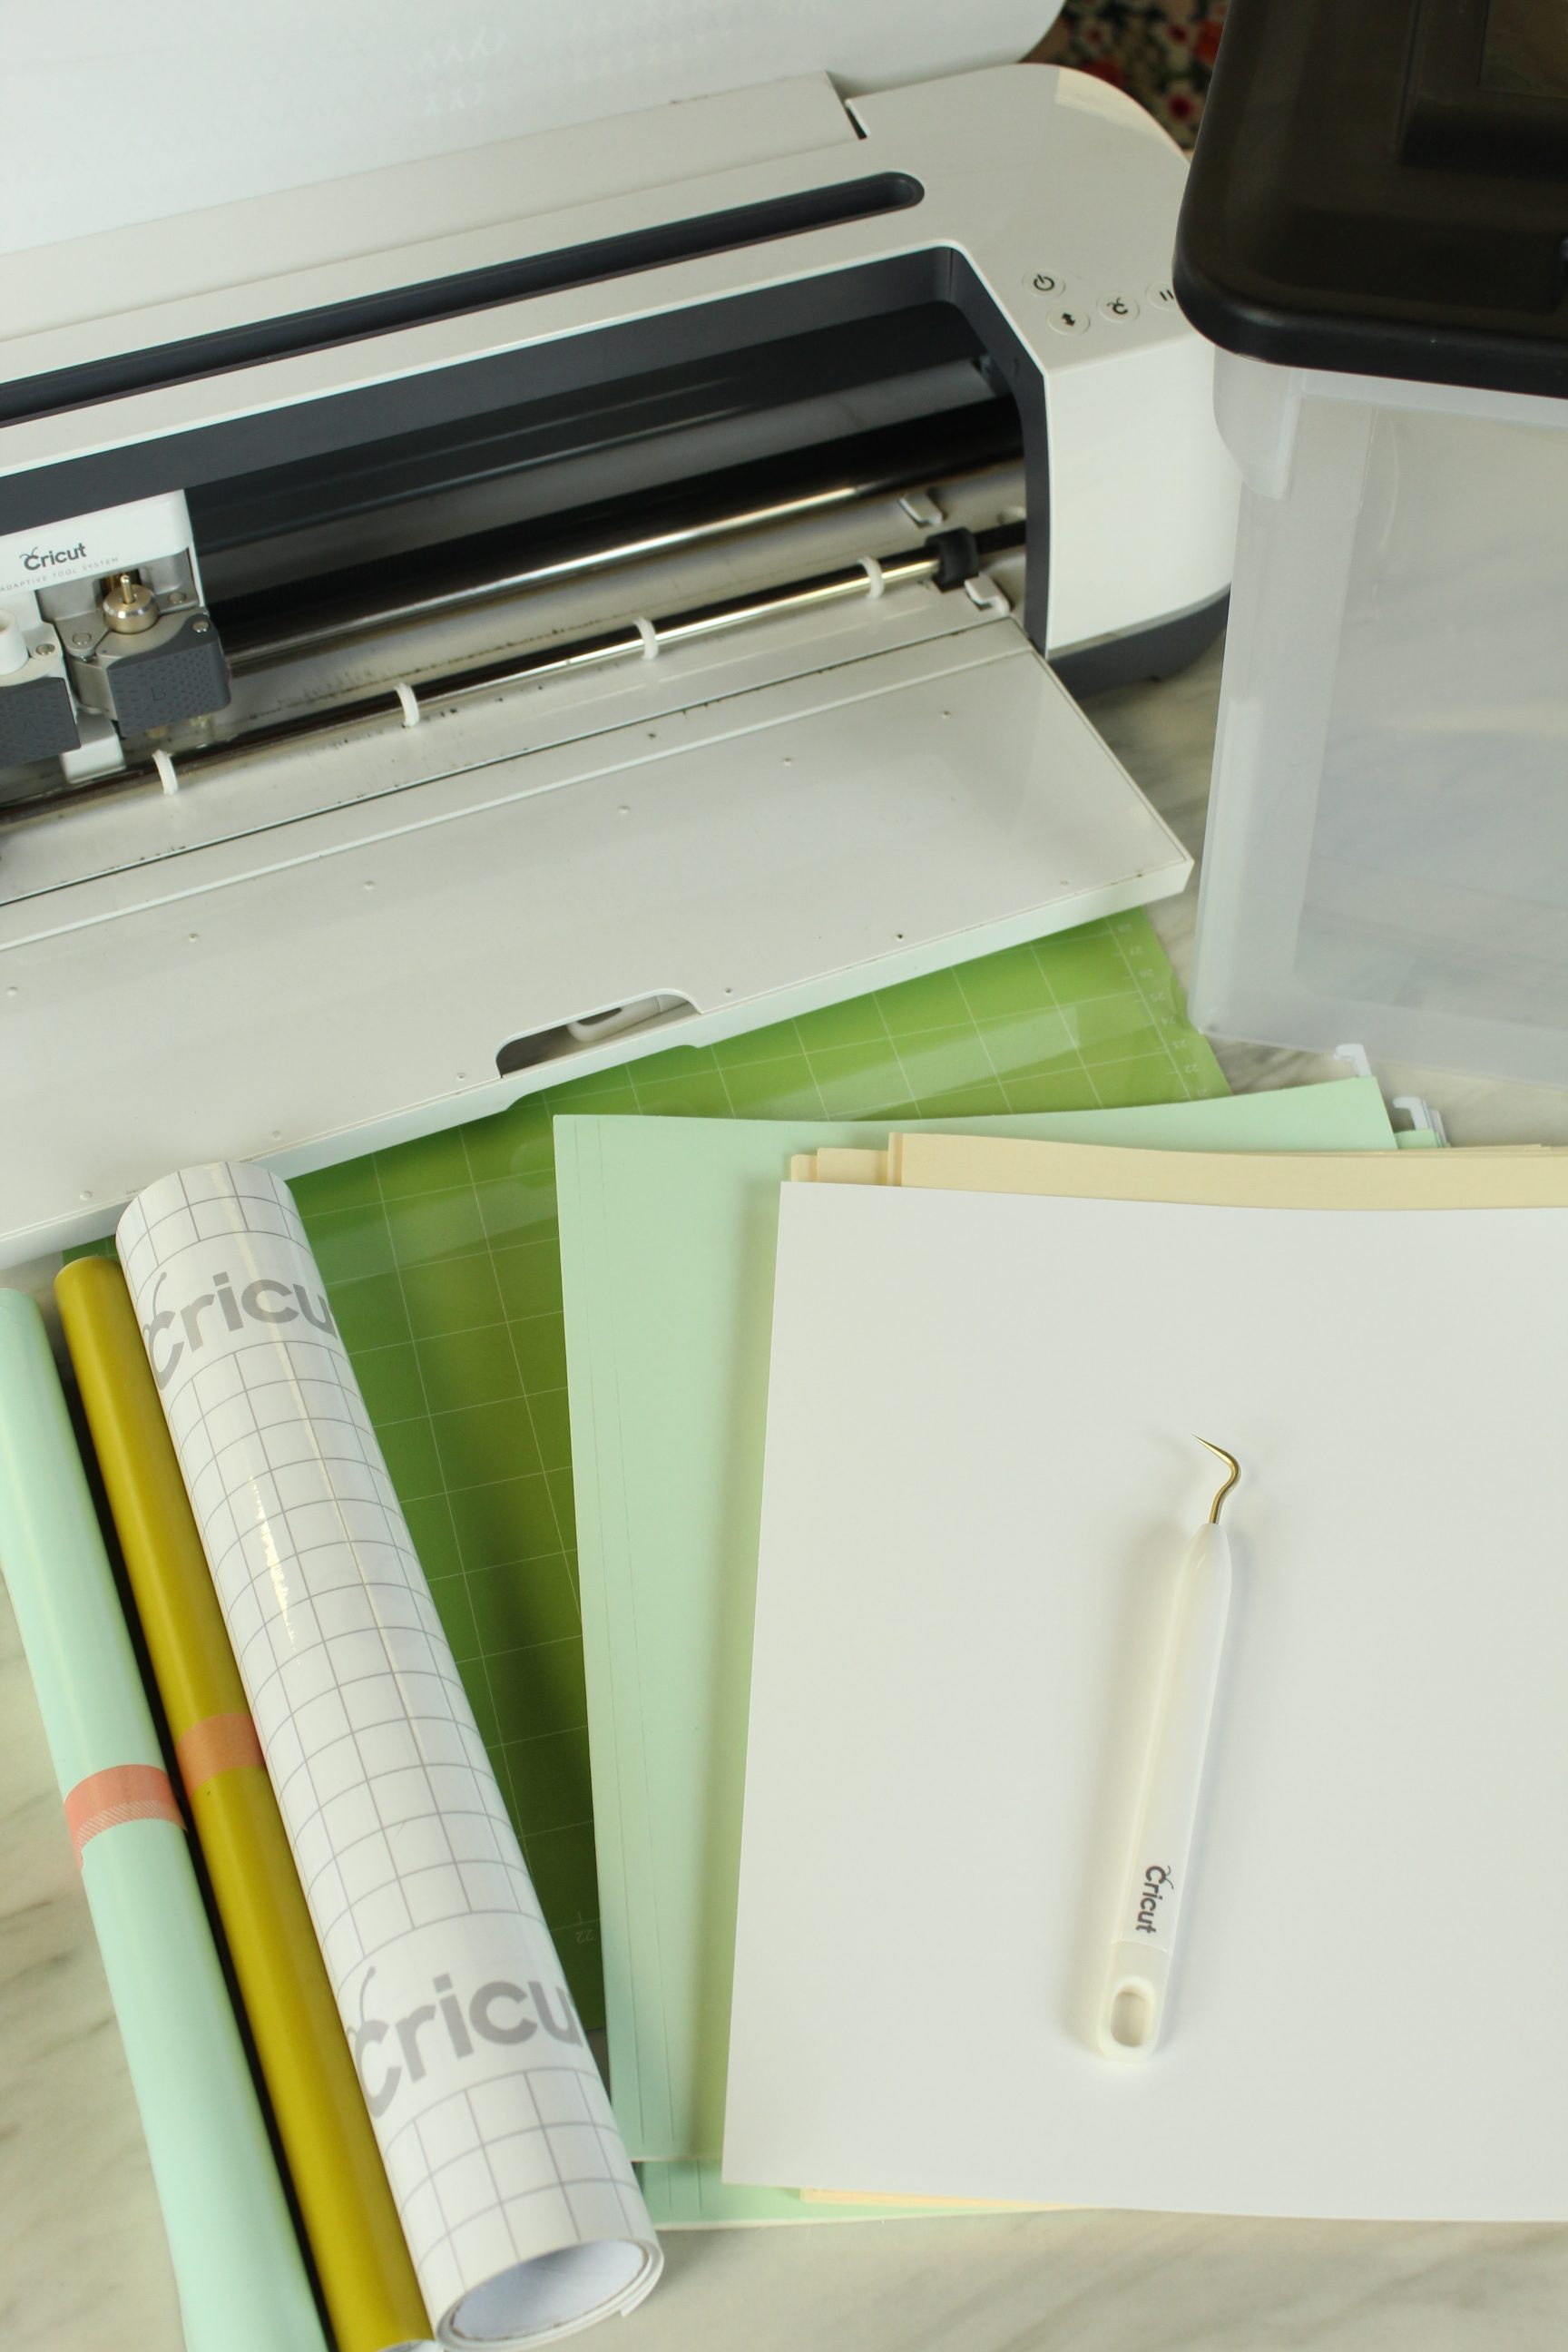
983 1473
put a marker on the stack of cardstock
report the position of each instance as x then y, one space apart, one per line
987 1507
668 1231
441 1262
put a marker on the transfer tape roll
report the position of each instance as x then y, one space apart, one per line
517 2200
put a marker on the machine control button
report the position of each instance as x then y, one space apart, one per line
1045 281
1162 293
1072 319
1117 307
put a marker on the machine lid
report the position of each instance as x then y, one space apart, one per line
116 120
1381 186
314 989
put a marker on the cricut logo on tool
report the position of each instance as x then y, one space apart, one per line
42 559
496 2012
1156 1878
265 1300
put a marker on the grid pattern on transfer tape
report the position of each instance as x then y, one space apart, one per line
392 1810
395 1819
470 2159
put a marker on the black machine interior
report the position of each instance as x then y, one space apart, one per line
536 483
710 493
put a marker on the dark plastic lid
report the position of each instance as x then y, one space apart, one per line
1382 187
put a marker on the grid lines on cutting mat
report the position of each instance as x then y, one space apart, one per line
441 1262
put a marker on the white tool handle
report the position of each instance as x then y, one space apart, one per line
1143 1938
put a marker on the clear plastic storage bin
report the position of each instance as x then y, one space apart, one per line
1387 848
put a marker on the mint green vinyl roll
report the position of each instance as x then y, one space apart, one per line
237 2266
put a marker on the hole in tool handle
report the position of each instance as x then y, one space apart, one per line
1133 2013
1134 2020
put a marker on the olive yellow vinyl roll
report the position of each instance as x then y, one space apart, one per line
362 2261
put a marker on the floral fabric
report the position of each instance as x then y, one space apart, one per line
1161 52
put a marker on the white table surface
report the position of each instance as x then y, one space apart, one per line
82 2260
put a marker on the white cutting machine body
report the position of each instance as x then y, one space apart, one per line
515 610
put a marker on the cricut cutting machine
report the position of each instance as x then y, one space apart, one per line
512 610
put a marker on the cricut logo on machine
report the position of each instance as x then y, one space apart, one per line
28 565
69 548
265 1300
44 559
497 2012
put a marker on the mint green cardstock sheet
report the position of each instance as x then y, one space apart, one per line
691 2196
667 1236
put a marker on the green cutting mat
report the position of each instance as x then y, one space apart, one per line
443 1268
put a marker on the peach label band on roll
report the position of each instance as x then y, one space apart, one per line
219 1743
125 1792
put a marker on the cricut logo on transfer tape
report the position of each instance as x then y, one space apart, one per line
265 1300
497 2013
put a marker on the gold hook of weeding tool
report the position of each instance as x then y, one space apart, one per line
1230 1481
